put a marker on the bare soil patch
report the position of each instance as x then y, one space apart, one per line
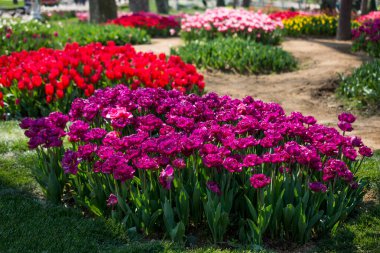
309 90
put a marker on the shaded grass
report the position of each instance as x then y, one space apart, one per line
28 224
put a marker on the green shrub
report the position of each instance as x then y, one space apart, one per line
238 55
17 35
87 33
362 88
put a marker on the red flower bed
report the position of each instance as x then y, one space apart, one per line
36 82
287 14
155 24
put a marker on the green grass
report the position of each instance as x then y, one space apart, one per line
15 171
359 234
8 4
29 224
123 8
11 138
152 6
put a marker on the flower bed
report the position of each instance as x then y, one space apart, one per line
223 22
237 55
370 16
281 15
160 161
61 75
367 37
319 25
154 24
362 88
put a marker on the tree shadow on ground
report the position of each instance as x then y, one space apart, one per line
340 46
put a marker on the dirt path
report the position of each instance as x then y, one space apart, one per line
308 90
160 45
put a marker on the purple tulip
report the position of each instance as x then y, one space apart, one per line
259 181
365 151
317 187
345 126
70 162
112 200
166 177
214 187
347 117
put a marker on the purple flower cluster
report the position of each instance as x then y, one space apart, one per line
370 28
45 132
259 181
367 37
345 121
119 131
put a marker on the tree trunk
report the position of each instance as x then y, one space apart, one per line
220 3
344 26
162 6
372 5
102 10
139 5
364 7
235 3
246 3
